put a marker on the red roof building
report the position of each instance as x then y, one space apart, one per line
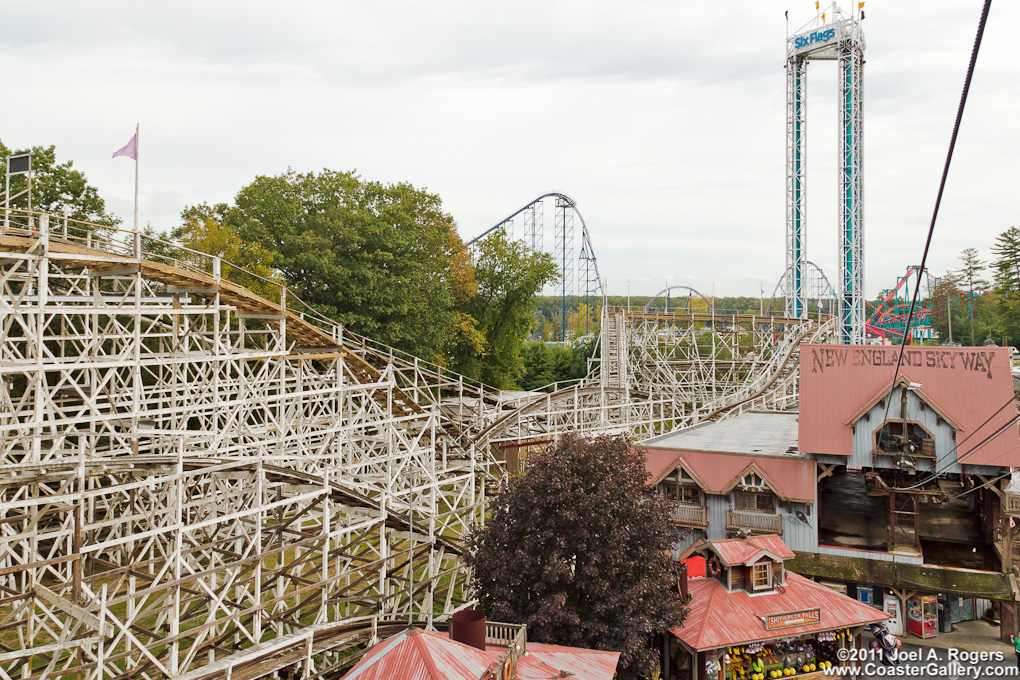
964 386
734 552
864 472
791 478
417 654
720 618
750 607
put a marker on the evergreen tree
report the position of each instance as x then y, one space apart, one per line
1006 276
970 273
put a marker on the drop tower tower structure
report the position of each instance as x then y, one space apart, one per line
840 40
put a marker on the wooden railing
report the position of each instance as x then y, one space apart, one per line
1012 503
501 634
761 524
689 516
515 638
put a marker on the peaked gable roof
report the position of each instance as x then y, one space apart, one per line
736 551
792 478
719 618
966 385
904 381
416 654
420 655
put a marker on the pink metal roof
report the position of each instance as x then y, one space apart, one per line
420 655
718 618
790 477
735 551
424 655
582 663
964 384
659 462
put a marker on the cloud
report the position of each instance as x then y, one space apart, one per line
664 120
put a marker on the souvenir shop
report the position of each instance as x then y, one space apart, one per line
751 619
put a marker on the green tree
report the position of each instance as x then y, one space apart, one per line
376 257
248 264
1006 277
544 364
58 187
547 364
576 549
509 276
970 274
948 307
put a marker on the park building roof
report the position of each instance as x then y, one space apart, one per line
758 434
723 613
971 388
791 478
416 654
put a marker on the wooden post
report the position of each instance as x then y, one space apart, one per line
1007 621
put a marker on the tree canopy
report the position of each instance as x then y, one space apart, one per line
575 548
386 261
377 257
546 364
508 276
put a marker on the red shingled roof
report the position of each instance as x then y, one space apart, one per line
719 618
735 551
425 655
966 385
790 477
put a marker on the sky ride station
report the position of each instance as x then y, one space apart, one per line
898 498
751 618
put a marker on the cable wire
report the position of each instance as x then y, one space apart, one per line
936 472
938 198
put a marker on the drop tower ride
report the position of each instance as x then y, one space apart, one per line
840 40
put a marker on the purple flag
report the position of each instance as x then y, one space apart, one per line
130 149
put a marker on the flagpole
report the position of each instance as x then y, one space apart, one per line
137 127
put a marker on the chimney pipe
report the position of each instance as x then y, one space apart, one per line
468 627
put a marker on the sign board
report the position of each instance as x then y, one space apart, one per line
971 359
793 619
815 39
20 164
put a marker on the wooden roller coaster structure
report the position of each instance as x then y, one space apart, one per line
201 477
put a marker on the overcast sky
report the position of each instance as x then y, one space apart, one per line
663 120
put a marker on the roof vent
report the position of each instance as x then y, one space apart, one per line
468 627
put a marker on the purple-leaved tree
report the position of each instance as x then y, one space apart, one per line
575 548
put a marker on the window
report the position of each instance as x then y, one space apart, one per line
755 502
761 576
686 494
752 482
